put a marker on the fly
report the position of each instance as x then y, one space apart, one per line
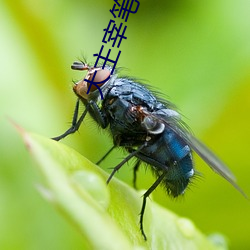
149 128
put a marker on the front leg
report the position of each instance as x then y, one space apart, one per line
95 112
75 124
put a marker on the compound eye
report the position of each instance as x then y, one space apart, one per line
101 76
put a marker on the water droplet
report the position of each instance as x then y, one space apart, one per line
94 185
187 227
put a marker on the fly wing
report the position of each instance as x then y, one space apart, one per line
207 155
174 123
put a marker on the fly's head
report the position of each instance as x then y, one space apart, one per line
95 78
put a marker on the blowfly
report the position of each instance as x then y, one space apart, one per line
148 127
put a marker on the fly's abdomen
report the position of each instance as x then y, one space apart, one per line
178 176
180 166
168 154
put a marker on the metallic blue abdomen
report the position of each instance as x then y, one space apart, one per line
168 153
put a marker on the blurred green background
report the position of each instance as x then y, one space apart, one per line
195 52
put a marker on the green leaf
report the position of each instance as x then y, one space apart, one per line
106 215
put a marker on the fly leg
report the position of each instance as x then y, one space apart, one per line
116 168
145 196
75 124
135 169
97 114
105 155
94 110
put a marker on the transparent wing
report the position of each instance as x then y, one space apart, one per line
208 156
175 124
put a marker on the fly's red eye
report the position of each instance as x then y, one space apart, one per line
101 77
